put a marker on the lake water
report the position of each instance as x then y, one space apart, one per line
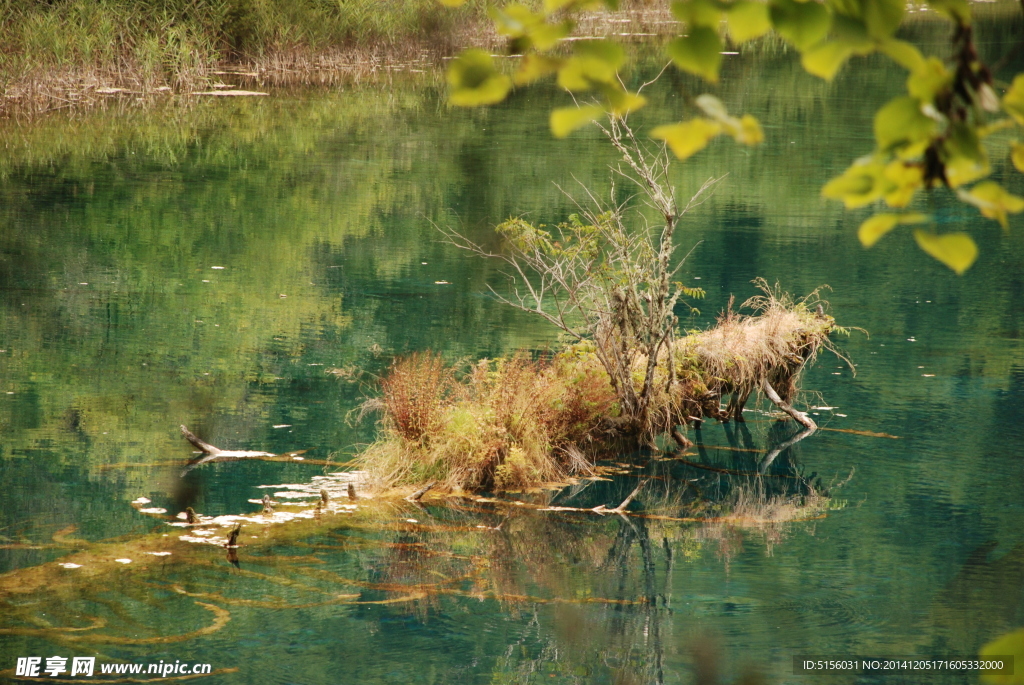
246 267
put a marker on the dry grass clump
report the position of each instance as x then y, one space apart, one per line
742 352
506 423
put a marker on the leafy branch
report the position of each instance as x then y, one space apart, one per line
930 138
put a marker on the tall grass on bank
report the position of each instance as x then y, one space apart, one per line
518 422
76 45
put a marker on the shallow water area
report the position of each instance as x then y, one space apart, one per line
248 267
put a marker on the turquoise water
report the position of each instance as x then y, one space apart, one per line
116 327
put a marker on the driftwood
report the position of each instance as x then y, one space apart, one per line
211 453
800 416
415 497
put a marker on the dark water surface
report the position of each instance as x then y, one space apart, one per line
245 267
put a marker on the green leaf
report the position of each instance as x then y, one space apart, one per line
1012 645
1013 101
712 106
902 121
565 120
882 17
955 250
929 79
697 13
861 184
993 201
803 24
877 226
1017 155
688 137
514 20
957 10
748 19
746 130
965 157
528 28
749 131
534 66
546 36
622 102
474 81
825 59
904 180
555 5
903 53
698 53
452 3
594 62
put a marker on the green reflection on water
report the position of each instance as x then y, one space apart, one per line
116 328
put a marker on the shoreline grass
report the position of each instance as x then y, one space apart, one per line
72 53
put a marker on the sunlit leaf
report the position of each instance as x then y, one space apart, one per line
697 13
565 120
825 59
746 130
901 121
555 5
994 127
1017 155
528 28
905 180
546 36
913 151
877 226
534 66
957 10
514 20
748 19
688 137
622 102
749 132
929 79
903 53
861 184
803 24
965 157
1013 101
698 53
1011 645
474 81
993 201
955 250
452 3
594 62
882 17
712 106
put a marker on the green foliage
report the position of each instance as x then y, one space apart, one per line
1012 645
474 80
931 137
